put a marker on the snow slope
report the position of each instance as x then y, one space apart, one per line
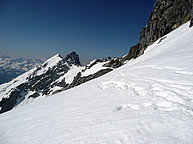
48 64
147 101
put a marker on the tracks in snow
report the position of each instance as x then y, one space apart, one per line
162 95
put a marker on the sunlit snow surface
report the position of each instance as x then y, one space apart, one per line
147 101
94 69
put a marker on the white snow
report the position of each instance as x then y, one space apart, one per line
54 89
95 68
26 99
69 76
149 100
49 64
7 88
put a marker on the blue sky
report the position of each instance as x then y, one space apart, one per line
92 28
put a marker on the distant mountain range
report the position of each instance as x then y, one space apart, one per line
13 67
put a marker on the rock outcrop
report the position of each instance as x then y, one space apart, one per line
73 58
191 23
166 16
110 63
79 80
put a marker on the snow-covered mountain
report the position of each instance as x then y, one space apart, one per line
12 67
53 76
58 74
149 100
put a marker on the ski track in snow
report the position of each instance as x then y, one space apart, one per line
147 101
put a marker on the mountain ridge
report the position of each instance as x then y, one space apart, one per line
54 75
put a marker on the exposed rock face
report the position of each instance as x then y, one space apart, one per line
7 104
72 58
79 80
114 63
135 51
45 81
166 16
191 23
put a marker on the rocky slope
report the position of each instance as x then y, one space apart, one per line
12 67
166 16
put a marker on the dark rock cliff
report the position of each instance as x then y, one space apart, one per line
191 23
73 58
166 16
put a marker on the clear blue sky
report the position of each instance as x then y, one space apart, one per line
92 28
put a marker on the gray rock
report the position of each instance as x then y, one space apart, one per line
191 23
114 63
7 104
79 80
166 16
73 58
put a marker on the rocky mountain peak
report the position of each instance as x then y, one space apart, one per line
72 58
54 74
